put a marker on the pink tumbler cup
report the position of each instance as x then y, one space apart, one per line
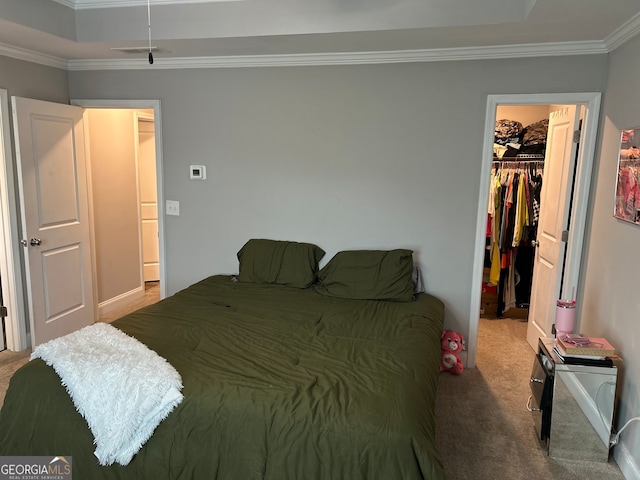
565 316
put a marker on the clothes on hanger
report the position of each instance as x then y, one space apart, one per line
513 212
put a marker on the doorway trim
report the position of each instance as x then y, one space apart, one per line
584 166
137 118
143 104
10 268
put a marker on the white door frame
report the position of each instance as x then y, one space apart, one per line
584 166
137 117
144 104
11 266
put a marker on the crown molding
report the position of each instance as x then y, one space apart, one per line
87 4
348 58
312 59
33 57
622 35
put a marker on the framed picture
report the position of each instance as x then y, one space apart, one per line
627 203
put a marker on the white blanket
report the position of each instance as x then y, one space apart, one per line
122 388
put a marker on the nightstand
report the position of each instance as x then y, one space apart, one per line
572 405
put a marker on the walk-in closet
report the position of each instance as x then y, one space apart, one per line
513 209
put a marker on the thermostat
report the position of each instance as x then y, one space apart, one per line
197 172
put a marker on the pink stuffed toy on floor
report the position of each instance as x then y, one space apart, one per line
452 344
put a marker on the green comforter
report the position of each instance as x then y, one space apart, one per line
279 383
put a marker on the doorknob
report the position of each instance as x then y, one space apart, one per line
535 243
34 242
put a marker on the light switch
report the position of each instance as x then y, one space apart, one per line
173 207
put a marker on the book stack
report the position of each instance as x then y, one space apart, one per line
582 350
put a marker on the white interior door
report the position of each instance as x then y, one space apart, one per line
49 139
148 200
555 198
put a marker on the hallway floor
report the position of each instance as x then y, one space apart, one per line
151 296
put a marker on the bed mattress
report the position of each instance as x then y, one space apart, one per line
279 383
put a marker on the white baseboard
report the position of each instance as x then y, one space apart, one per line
121 300
464 356
628 465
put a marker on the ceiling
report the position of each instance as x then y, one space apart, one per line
81 34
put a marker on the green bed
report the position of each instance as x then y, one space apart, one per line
279 383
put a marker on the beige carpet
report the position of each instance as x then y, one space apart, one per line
484 429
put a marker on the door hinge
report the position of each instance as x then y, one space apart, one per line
576 136
565 236
3 311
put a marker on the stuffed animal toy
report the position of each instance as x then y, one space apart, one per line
452 344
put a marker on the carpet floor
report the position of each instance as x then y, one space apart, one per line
483 428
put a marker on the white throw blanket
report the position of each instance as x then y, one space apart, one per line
122 388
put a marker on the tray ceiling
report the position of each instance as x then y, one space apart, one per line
79 34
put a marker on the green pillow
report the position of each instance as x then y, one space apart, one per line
369 275
279 262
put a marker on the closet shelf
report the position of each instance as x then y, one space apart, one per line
520 159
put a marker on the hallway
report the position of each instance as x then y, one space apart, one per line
151 296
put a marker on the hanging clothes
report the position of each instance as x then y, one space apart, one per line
522 211
495 202
514 197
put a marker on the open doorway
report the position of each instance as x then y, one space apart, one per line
153 108
14 324
13 287
581 170
535 153
121 154
514 205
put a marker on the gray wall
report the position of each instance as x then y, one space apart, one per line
610 300
372 156
25 79
114 194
